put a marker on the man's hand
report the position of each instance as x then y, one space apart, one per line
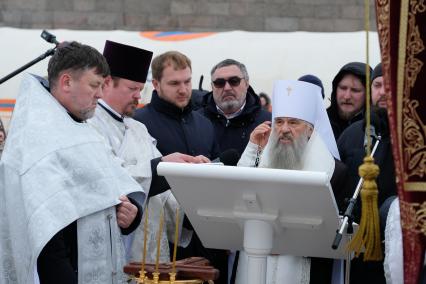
126 212
182 158
200 159
260 134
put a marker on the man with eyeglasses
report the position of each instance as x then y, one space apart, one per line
233 107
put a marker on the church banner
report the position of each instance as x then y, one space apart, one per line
402 35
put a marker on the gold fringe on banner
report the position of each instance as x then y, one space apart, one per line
368 234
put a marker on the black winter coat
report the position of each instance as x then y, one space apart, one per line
178 130
187 132
234 133
352 153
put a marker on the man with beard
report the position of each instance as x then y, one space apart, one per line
63 204
347 97
352 147
300 138
170 119
233 107
130 140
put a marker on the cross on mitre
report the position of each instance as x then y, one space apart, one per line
289 89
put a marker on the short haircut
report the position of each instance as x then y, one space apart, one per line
75 57
229 62
175 59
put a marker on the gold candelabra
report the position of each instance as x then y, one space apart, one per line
143 277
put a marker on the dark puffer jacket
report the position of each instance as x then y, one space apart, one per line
234 133
178 130
185 131
357 69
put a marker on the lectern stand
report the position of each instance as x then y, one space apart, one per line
262 211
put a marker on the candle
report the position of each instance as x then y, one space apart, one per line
145 237
176 241
160 230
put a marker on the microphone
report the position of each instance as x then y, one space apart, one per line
229 157
372 134
49 37
375 123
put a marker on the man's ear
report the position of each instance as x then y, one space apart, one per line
156 84
64 82
107 82
310 130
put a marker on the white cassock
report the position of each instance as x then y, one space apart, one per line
131 142
393 262
287 268
54 171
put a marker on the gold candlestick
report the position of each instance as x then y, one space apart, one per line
156 277
145 235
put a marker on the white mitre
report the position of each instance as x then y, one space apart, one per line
303 100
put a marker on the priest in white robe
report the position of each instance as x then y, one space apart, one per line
63 204
300 138
131 142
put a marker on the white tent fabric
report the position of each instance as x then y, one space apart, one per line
268 56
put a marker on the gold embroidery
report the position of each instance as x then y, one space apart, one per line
413 130
383 28
418 6
415 214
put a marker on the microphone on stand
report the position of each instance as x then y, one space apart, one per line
374 124
47 37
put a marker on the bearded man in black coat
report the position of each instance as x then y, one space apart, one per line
233 107
352 150
347 97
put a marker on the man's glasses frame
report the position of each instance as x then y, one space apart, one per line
233 81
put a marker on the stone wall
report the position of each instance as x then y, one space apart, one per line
187 15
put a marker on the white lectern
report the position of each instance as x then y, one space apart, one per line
261 210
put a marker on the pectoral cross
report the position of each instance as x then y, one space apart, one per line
289 89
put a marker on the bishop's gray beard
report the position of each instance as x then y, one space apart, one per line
280 156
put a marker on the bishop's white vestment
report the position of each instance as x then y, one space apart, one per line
287 268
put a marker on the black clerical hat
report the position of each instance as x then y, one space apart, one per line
377 72
127 62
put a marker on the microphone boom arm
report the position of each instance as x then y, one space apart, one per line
26 66
47 37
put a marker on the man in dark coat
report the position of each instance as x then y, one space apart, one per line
233 107
351 146
347 97
170 119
